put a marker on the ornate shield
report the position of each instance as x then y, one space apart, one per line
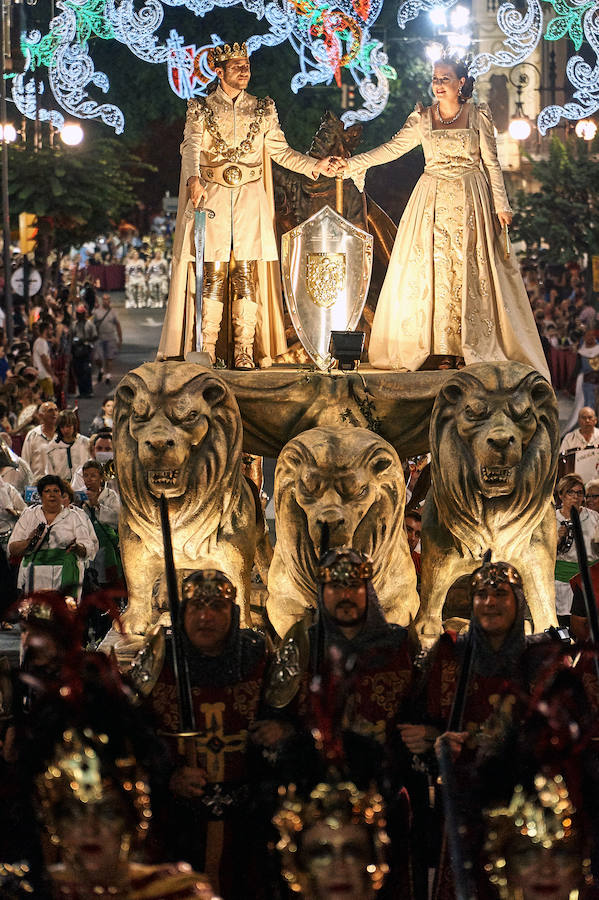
326 264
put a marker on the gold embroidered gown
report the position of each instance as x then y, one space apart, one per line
449 289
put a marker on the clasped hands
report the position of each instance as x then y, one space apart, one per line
331 166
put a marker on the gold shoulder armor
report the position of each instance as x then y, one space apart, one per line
289 664
196 108
146 667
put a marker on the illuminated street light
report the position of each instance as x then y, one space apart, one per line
520 129
586 129
71 134
8 133
437 16
460 16
434 52
459 41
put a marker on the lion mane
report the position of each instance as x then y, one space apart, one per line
474 519
213 468
359 476
180 424
494 437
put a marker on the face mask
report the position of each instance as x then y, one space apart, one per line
104 456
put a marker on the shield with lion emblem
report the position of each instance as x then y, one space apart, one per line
326 263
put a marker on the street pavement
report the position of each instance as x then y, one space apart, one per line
141 334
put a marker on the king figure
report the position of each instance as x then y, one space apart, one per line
229 139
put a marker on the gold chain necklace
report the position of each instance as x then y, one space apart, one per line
234 154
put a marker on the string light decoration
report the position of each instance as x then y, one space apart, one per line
523 27
327 38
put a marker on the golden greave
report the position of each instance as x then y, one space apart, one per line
215 283
242 279
244 310
215 280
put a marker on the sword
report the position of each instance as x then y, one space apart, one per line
200 241
180 664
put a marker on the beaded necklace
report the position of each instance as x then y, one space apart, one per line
448 121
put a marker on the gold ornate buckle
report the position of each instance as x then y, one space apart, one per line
232 175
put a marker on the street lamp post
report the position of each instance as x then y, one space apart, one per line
5 207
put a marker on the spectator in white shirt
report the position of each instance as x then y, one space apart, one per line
39 439
19 474
11 507
571 493
102 504
586 435
42 360
100 449
591 500
53 542
70 449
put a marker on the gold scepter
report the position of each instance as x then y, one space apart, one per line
339 194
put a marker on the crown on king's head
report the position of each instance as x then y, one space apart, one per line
219 55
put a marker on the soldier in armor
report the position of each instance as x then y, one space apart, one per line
206 815
228 142
157 271
136 288
90 753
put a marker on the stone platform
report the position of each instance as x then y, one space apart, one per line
278 404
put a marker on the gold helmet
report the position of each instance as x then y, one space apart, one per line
335 803
83 771
543 817
345 566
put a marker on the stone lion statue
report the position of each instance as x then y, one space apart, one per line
178 432
494 439
351 479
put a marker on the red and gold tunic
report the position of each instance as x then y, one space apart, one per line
223 717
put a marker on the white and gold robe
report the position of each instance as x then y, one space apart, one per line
449 289
244 215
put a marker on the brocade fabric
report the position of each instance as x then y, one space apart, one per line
449 288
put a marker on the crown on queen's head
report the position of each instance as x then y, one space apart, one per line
219 55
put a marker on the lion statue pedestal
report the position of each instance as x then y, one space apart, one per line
178 432
352 480
494 439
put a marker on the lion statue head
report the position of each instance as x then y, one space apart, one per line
494 436
351 480
177 432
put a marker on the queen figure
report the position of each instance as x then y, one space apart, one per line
449 288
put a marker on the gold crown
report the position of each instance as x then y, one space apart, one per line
336 804
543 818
219 55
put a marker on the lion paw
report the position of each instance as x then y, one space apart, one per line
136 622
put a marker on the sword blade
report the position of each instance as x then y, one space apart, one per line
200 241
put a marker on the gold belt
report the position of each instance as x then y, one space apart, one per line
231 174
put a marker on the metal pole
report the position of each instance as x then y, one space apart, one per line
5 204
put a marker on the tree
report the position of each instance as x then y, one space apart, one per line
81 191
558 222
